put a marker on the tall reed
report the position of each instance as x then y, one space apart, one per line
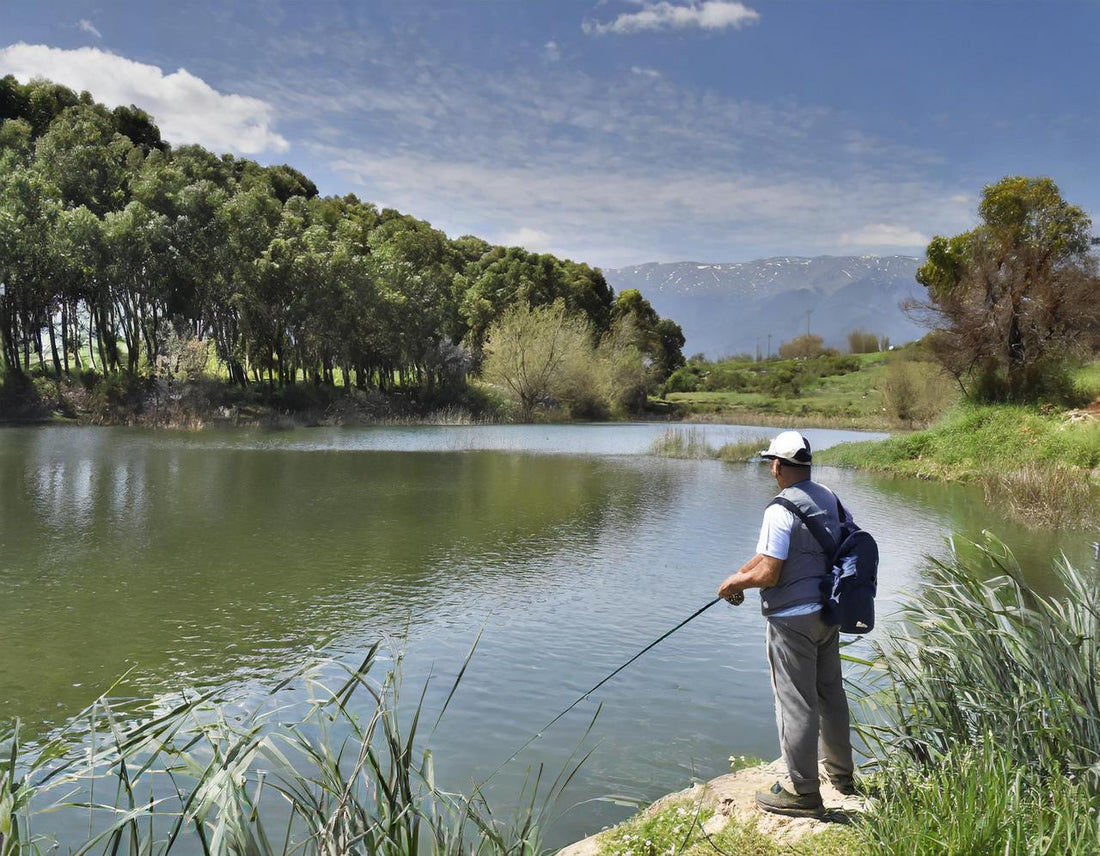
353 774
1044 496
986 722
681 443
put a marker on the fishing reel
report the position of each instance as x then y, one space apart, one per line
735 599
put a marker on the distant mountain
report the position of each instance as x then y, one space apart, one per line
727 308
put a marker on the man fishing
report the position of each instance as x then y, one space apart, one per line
803 651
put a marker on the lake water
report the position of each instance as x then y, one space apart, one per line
225 559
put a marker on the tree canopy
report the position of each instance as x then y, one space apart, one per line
1012 298
117 248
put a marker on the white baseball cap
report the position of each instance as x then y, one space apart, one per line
789 446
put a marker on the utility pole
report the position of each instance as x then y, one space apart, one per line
769 346
809 312
757 349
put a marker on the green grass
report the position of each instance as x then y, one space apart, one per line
1039 466
1086 380
676 830
851 399
973 800
974 439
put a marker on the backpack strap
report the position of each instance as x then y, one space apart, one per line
817 528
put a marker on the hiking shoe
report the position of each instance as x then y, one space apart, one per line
781 801
846 786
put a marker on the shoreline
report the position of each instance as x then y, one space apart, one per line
731 798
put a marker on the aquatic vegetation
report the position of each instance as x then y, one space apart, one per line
682 443
353 774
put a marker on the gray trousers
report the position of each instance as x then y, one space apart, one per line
804 654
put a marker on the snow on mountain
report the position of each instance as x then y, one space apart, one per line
730 308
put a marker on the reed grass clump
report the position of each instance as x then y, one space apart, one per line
986 721
973 800
680 443
1053 496
353 774
743 451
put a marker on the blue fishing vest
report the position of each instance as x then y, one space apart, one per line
804 569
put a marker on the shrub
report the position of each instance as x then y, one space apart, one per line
90 379
806 345
915 392
684 379
862 342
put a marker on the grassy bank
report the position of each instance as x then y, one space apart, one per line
1039 465
972 440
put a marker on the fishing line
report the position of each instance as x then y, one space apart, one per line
589 692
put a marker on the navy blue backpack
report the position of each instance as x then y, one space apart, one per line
848 593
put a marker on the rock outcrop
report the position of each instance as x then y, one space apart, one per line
733 798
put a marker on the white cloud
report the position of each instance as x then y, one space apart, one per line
551 51
186 108
706 15
885 235
88 27
627 216
644 72
534 240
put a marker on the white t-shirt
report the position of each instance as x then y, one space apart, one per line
775 532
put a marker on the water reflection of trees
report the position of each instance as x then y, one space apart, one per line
198 564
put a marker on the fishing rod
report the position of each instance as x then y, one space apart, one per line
736 599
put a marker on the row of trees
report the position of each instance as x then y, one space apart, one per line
119 252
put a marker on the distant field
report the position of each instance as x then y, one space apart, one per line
852 399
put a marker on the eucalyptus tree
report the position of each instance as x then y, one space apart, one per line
38 101
28 211
87 160
247 222
414 267
77 252
660 339
501 278
140 256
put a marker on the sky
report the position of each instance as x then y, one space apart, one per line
615 132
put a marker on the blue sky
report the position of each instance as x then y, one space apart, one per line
614 131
